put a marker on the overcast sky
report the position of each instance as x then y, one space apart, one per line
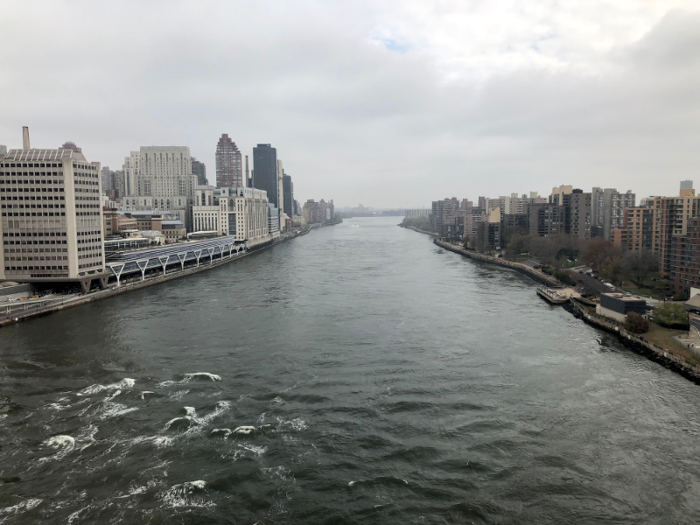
388 104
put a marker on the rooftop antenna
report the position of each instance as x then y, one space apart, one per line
25 137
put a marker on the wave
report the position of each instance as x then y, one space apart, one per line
189 377
187 494
192 421
124 384
27 504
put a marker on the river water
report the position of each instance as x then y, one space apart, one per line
358 374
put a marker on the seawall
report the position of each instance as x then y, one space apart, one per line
637 343
537 275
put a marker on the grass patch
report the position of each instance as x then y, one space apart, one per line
657 289
663 337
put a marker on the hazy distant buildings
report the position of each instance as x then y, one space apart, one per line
417 213
318 212
59 207
200 171
229 164
265 171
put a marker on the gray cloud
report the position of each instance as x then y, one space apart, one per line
351 119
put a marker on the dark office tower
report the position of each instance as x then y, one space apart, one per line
229 165
200 170
265 171
288 190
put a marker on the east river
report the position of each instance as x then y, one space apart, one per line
358 374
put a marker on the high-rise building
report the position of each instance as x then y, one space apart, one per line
107 179
229 164
577 214
131 173
200 170
265 171
163 180
607 210
280 188
51 222
288 207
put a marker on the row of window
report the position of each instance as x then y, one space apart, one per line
20 181
34 214
25 268
45 258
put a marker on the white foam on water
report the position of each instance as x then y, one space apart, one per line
145 393
219 408
295 424
261 419
157 441
187 494
124 384
63 444
217 431
190 411
87 436
110 409
278 399
244 430
176 396
352 484
27 504
279 472
258 451
189 377
202 375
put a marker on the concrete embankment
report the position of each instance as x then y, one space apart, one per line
432 234
537 275
62 304
637 343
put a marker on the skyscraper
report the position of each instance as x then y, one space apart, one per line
288 207
229 165
200 170
265 171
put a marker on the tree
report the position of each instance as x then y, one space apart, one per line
671 315
598 251
639 264
636 324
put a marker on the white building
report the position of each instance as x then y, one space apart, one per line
51 222
247 215
209 212
163 174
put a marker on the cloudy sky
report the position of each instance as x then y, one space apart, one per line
388 103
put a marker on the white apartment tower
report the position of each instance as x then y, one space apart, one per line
51 217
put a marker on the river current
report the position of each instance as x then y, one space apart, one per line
358 374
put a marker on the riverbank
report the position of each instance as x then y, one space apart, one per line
59 304
535 274
432 234
637 343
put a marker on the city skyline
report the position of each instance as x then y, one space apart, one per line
475 98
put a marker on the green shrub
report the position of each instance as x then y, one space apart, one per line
671 315
635 323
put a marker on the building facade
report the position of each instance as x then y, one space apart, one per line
265 171
51 222
229 164
608 210
288 196
199 170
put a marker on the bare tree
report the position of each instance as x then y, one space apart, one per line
639 264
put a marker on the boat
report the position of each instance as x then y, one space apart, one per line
551 295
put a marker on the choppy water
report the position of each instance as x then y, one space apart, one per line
359 374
